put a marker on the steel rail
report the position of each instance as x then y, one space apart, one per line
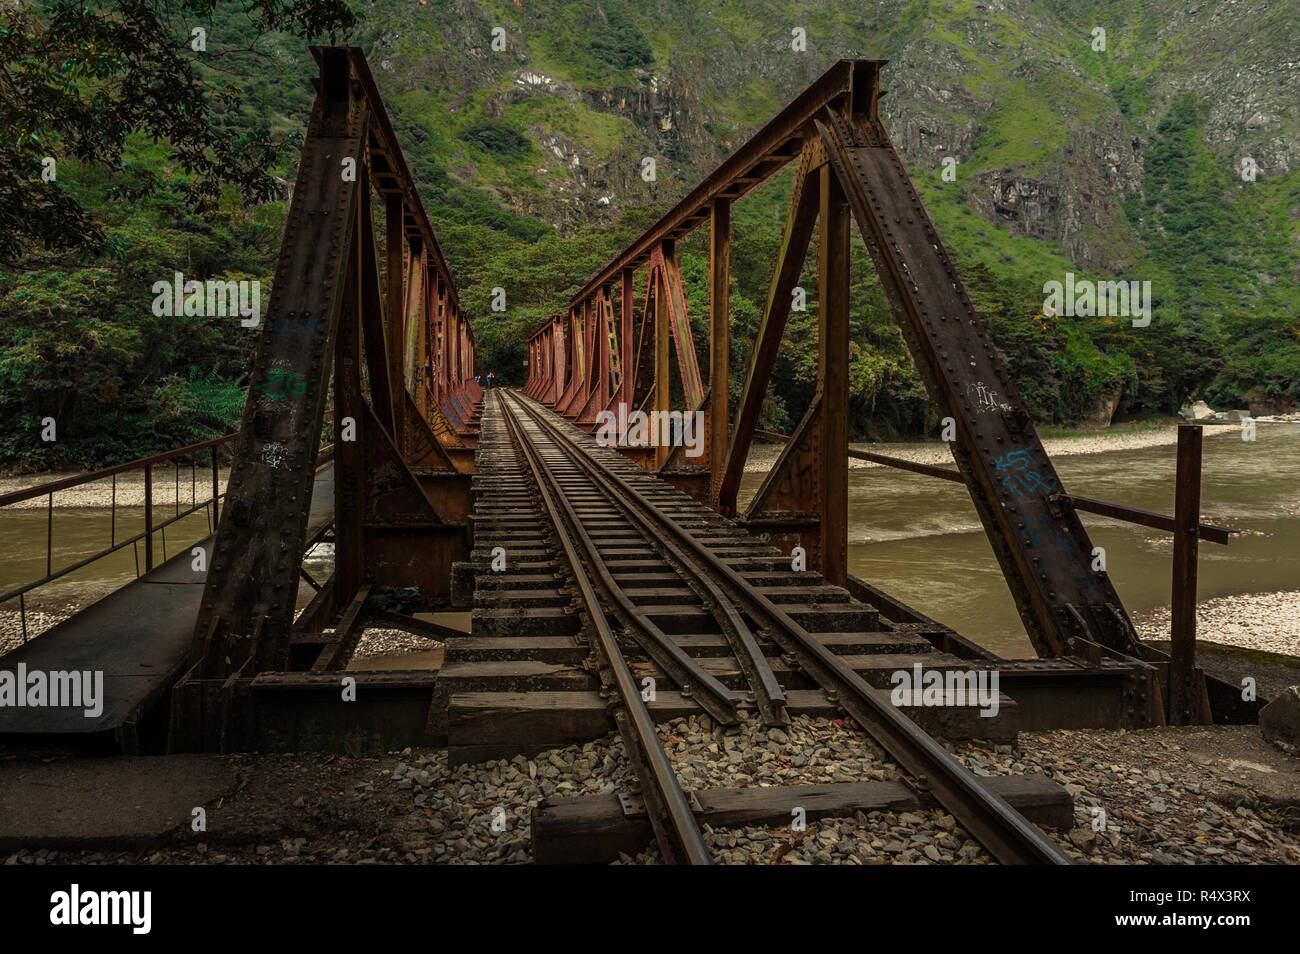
693 679
769 697
987 816
671 817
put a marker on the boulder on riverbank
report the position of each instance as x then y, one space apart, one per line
1198 412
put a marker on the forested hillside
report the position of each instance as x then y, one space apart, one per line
1122 163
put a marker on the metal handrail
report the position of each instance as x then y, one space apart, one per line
40 490
49 488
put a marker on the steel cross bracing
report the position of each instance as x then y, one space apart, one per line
625 342
363 305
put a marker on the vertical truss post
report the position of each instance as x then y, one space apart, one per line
800 220
627 317
453 342
440 346
613 355
559 349
466 354
1041 545
395 307
246 612
662 386
688 369
414 323
1184 708
834 257
719 339
370 303
349 456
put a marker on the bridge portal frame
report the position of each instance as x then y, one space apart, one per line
847 171
364 306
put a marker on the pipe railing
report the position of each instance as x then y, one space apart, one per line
1185 525
147 464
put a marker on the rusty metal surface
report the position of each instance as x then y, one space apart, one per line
138 636
800 219
998 826
254 573
835 130
762 156
1185 688
368 316
1043 548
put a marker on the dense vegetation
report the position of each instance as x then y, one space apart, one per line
169 160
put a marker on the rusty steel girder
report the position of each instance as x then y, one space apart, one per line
403 431
1043 548
847 171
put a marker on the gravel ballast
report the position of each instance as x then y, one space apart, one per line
1214 795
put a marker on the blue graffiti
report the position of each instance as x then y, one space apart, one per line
1055 548
1022 479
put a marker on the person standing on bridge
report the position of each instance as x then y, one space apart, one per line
490 376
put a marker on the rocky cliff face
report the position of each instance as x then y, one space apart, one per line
1050 134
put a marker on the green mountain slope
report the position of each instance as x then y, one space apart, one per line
1122 163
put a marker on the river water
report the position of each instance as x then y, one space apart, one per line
915 537
920 540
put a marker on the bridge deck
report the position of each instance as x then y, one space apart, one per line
138 636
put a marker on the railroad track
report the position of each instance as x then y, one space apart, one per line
671 816
577 492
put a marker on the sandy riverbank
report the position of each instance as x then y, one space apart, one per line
1265 621
130 488
762 456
